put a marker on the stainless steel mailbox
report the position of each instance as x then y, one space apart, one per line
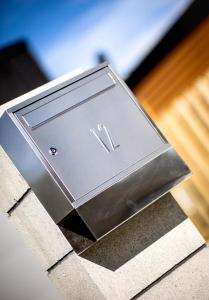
89 151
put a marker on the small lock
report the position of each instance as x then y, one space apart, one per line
52 151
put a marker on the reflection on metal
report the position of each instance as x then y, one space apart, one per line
59 138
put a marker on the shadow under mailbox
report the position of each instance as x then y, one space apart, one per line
132 237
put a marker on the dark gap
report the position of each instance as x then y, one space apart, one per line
18 202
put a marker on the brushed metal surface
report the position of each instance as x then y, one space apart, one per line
86 144
60 104
91 168
133 193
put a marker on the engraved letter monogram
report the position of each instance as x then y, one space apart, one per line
102 134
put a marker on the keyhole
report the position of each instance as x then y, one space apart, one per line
52 151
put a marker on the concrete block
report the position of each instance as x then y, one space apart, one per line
21 277
146 267
189 281
73 281
133 256
39 231
12 184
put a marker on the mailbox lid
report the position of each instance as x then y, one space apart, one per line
98 130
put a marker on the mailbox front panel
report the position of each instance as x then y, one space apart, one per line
91 133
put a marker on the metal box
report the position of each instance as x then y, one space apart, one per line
90 153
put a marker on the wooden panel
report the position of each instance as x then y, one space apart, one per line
178 70
176 95
185 124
